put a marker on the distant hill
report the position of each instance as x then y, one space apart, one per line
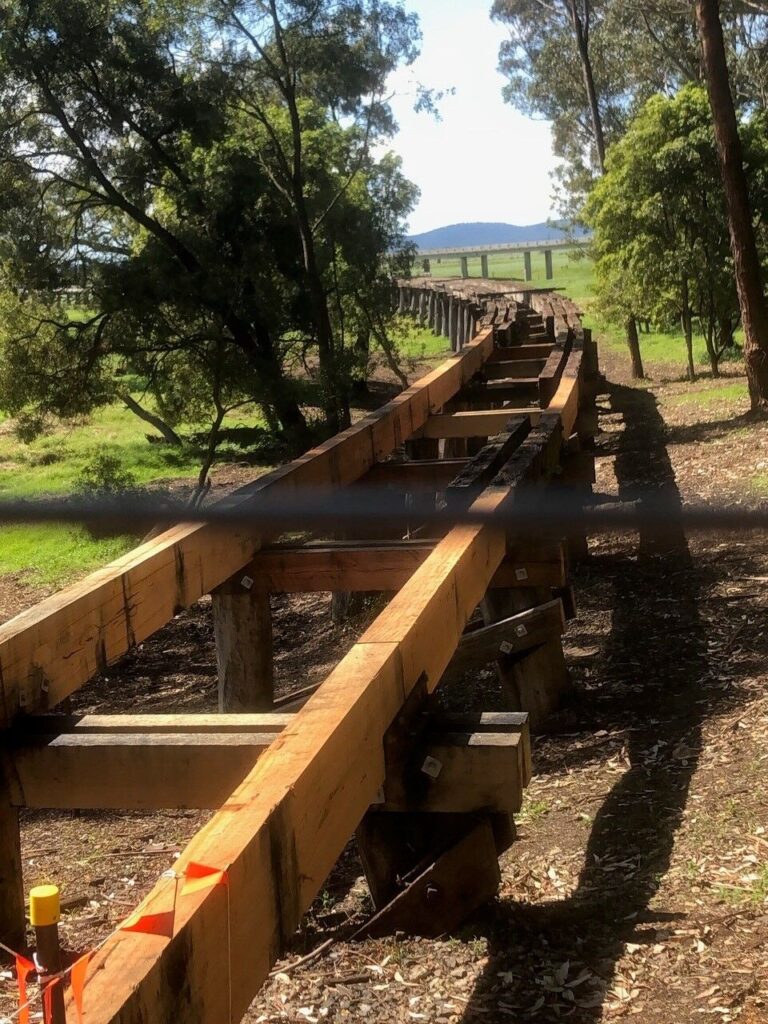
482 233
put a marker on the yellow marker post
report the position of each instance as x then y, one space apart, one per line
44 915
44 905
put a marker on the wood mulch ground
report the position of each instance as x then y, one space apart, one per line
638 886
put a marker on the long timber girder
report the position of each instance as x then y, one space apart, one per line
289 789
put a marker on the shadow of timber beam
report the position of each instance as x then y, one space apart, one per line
51 650
282 829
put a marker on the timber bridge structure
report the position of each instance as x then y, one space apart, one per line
430 795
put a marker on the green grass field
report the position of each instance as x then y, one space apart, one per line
52 464
574 274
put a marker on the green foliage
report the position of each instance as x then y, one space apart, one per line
636 50
661 237
104 473
224 212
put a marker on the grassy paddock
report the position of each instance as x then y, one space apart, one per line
51 555
574 274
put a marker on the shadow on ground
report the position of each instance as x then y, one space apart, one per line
653 668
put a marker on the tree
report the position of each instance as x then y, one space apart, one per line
746 261
304 68
661 237
588 66
144 150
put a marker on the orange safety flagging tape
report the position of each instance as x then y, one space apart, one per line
151 924
23 968
47 1001
77 980
200 876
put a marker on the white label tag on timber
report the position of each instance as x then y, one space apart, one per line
521 630
246 582
521 574
432 767
505 647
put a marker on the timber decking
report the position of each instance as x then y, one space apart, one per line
289 792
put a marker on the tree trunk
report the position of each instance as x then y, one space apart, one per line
168 433
362 352
754 310
633 342
582 42
686 321
725 338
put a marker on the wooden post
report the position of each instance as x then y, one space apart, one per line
455 312
484 265
461 336
432 307
464 267
44 914
535 681
438 324
548 264
447 302
12 917
242 623
528 266
423 301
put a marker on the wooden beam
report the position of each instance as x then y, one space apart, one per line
12 913
242 627
518 391
426 475
282 829
513 369
462 772
549 377
444 892
357 567
133 771
481 468
508 353
512 635
280 832
483 423
50 650
163 725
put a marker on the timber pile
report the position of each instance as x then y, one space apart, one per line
457 309
430 796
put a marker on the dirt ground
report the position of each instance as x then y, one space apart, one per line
638 885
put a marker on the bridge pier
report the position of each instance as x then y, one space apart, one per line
484 265
548 264
464 267
528 266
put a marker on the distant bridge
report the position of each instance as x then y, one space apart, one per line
466 252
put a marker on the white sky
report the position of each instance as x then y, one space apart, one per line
483 161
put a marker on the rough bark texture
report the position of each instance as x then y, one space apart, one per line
242 622
633 343
581 29
686 322
168 433
754 311
11 889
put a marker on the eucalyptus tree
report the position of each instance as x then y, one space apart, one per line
659 218
143 145
312 84
746 260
